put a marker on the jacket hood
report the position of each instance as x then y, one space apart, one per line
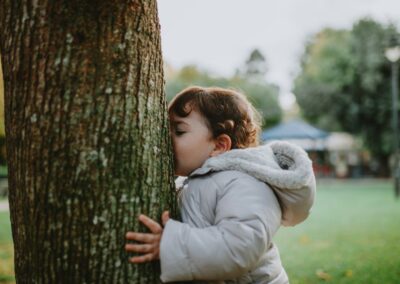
285 167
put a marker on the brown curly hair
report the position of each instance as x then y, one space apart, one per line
226 111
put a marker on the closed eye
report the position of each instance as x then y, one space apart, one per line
179 133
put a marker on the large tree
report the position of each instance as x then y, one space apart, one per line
2 131
87 135
344 84
2 128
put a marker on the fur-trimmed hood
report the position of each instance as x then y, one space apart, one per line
285 167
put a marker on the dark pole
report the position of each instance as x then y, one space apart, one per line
395 95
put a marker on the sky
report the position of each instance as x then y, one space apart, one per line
218 35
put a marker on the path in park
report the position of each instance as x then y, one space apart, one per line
3 206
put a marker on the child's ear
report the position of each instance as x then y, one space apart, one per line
223 143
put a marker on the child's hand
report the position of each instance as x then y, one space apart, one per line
149 243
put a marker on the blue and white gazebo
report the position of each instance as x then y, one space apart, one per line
298 132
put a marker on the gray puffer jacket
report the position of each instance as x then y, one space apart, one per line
231 208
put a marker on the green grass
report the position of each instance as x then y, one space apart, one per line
3 171
6 250
351 236
5 228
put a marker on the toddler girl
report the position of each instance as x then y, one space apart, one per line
233 194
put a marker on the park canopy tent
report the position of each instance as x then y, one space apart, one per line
298 132
341 141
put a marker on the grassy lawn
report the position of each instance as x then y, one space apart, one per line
6 250
3 171
352 236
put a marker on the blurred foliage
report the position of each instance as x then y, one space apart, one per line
344 83
3 171
263 95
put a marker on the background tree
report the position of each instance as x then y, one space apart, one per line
326 70
87 136
2 128
263 95
255 67
344 84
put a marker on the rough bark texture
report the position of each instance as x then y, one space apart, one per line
87 135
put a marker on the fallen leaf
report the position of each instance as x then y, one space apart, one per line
348 273
323 275
304 239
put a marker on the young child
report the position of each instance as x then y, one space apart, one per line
234 196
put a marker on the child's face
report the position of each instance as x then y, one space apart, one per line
192 140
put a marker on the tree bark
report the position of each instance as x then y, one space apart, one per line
2 131
87 134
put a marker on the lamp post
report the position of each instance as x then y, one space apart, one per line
393 55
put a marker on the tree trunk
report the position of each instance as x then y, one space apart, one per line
2 131
87 133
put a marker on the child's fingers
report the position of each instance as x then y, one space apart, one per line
142 237
165 217
142 248
143 258
151 224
